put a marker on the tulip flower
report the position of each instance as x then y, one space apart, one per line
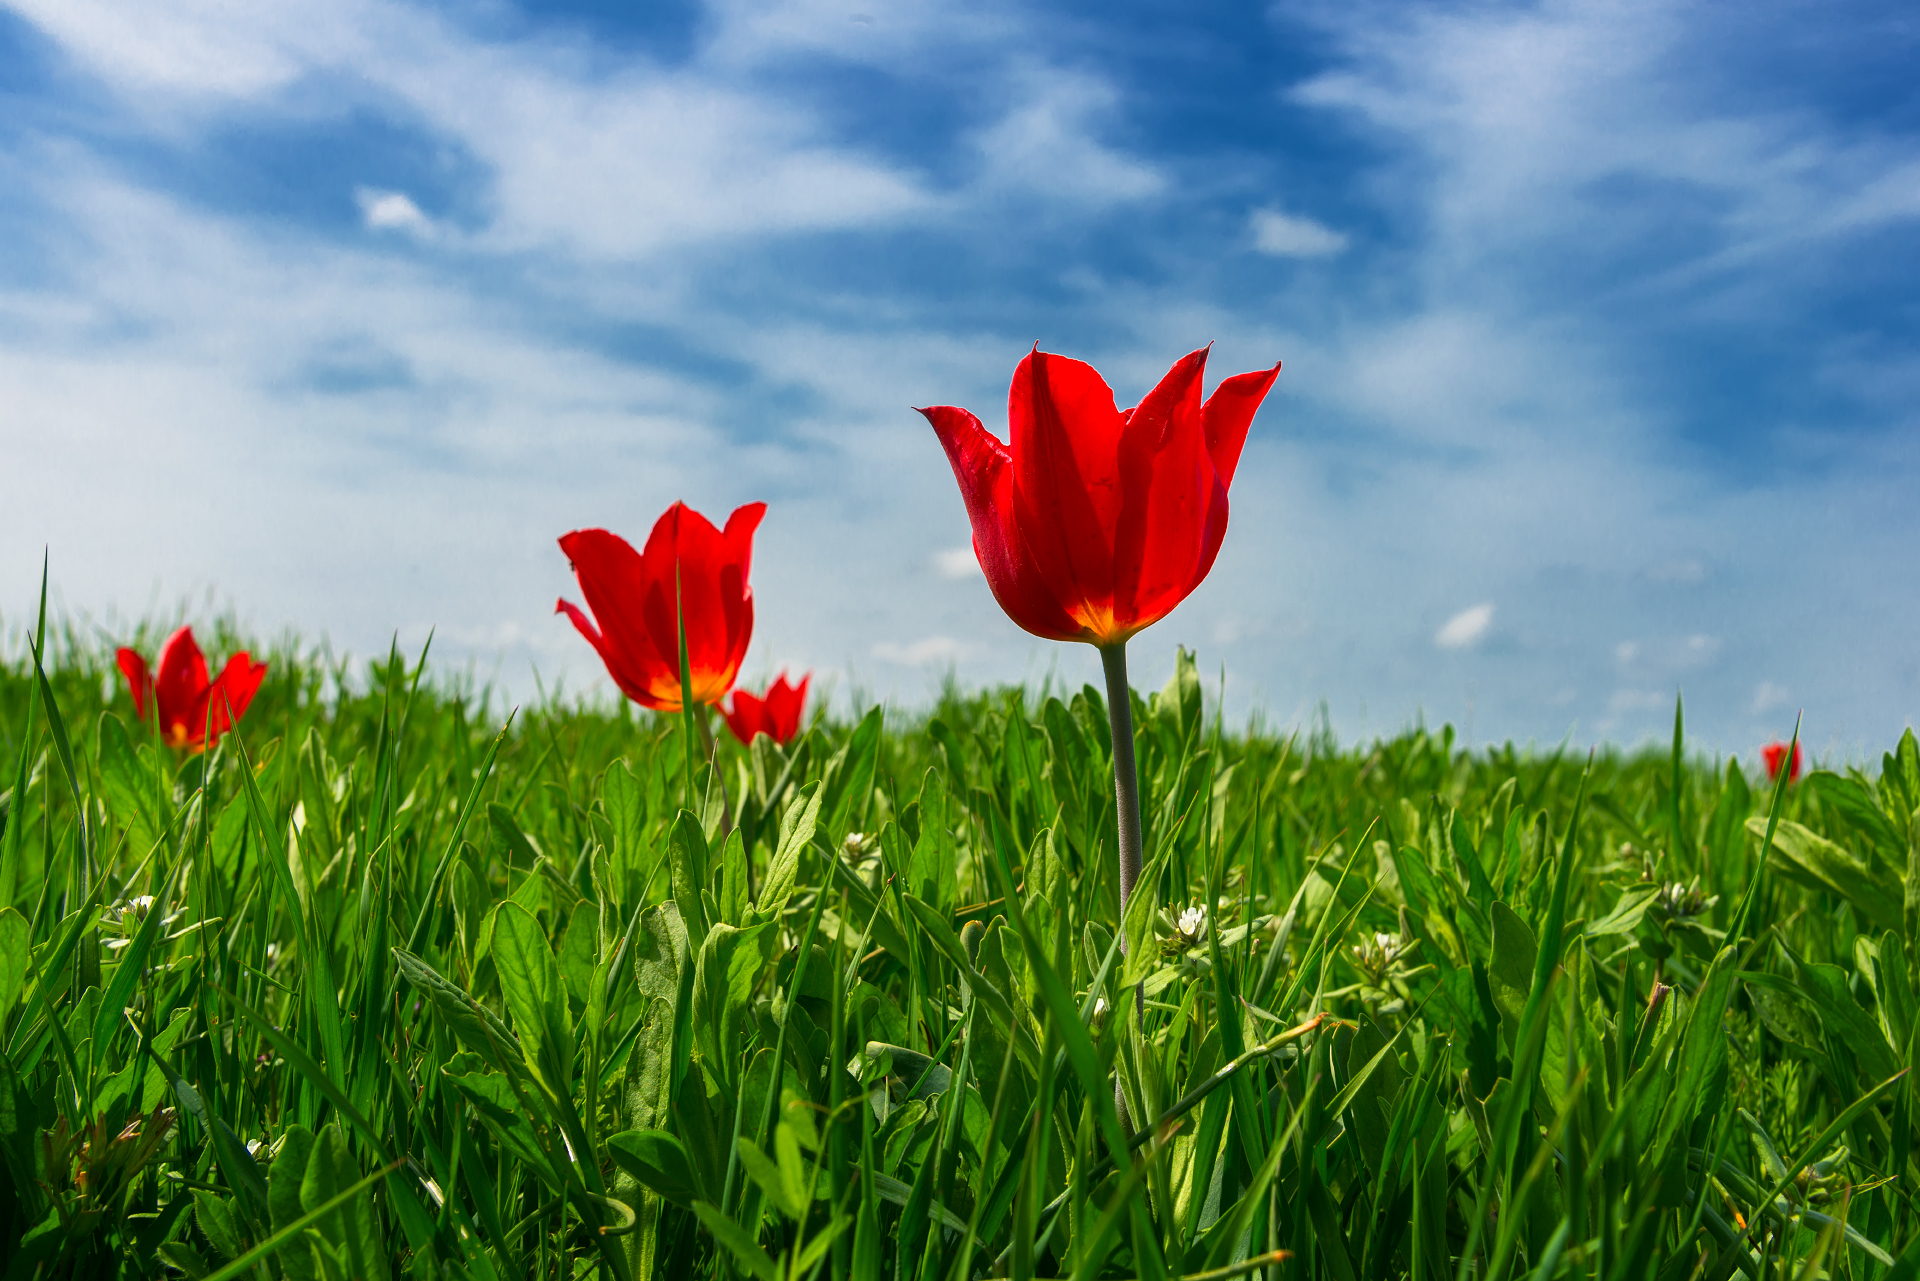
689 570
1091 522
1775 755
192 710
776 714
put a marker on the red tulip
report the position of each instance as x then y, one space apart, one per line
777 714
632 597
1773 755
193 711
1092 522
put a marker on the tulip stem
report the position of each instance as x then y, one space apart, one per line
1126 781
720 781
1126 801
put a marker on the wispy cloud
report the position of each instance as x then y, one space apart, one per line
1468 627
1290 236
1579 320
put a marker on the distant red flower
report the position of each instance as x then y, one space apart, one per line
1092 522
1774 754
632 597
193 711
777 714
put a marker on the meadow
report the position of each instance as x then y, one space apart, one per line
392 982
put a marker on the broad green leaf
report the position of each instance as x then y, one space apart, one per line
738 1241
215 1218
289 1171
659 951
688 850
848 779
1840 1014
658 1160
725 976
15 938
1627 911
353 1229
797 827
478 1028
530 981
1510 975
1812 860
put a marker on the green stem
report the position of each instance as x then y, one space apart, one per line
1126 782
1126 799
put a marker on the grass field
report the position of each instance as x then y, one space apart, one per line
389 984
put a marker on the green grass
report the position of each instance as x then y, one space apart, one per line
425 991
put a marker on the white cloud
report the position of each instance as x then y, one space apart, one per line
1768 697
1045 143
929 649
1465 628
1287 236
392 211
957 562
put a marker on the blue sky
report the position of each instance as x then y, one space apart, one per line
1599 326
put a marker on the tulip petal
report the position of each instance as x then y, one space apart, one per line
710 568
1170 492
746 717
611 576
228 697
983 468
179 683
1064 441
1229 413
784 703
139 679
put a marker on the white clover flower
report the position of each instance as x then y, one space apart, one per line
1193 923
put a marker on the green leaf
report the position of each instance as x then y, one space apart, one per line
1627 911
787 1196
216 1224
1840 1014
352 1226
15 938
1510 976
848 779
289 1171
530 981
687 846
659 1161
738 1241
724 978
797 826
659 951
1814 861
1177 707
492 1098
130 787
1851 800
478 1028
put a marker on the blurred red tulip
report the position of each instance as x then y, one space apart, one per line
1092 522
193 711
1773 755
632 597
776 714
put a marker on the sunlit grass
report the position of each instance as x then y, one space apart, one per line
389 984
